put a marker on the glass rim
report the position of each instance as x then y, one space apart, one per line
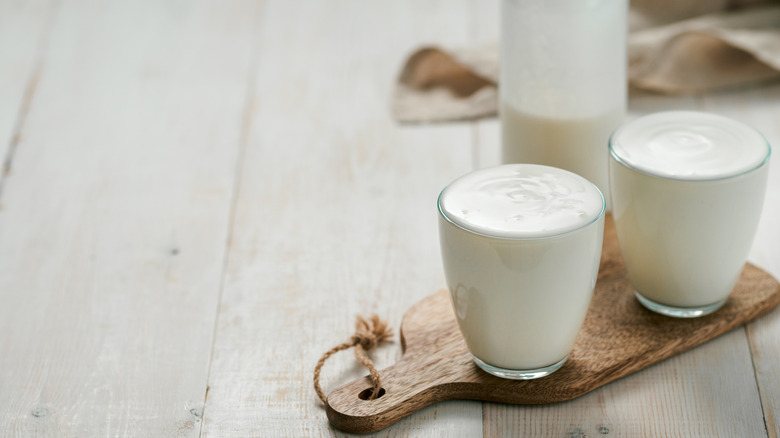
736 174
524 238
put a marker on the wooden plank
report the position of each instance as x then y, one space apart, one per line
760 107
687 395
23 37
335 217
112 236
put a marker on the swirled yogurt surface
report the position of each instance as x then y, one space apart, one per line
521 201
689 145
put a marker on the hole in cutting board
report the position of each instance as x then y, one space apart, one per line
366 393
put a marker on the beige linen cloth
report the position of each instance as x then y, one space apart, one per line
674 47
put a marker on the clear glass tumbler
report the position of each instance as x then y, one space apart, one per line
687 192
521 246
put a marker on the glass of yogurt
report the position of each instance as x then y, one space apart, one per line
687 192
521 245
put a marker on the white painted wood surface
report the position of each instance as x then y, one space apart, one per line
204 194
761 108
24 33
335 214
115 217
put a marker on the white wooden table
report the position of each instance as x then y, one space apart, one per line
198 197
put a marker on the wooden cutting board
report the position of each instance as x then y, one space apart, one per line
619 337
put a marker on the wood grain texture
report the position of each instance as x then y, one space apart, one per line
24 33
336 214
619 337
114 219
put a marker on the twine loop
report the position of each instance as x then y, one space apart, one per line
369 332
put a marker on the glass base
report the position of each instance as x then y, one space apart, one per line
679 312
520 374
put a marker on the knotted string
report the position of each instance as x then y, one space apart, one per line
368 334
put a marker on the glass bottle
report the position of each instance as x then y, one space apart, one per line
563 82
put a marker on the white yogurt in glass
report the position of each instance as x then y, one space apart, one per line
687 193
521 246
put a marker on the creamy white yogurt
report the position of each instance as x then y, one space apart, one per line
689 145
521 201
687 192
521 246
